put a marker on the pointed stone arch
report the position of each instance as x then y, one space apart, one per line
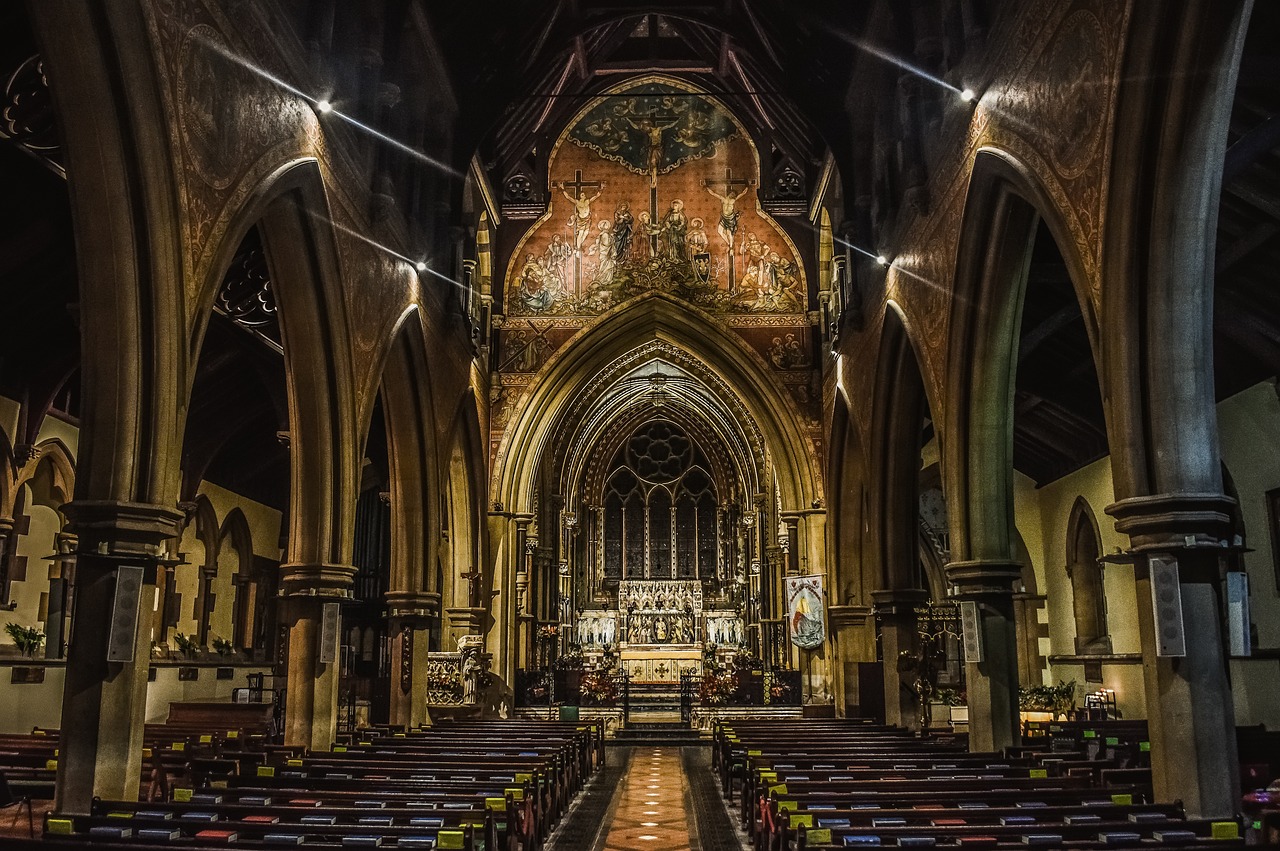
1088 596
234 573
663 318
1005 204
1003 209
465 550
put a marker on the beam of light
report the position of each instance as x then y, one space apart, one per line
417 265
324 106
896 61
874 255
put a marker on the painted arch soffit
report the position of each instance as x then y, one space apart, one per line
653 188
688 382
657 390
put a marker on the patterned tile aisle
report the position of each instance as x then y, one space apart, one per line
650 811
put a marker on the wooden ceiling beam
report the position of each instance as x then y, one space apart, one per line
1239 249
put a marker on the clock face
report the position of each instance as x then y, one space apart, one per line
933 509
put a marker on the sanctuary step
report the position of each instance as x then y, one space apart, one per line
652 732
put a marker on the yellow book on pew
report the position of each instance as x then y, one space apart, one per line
206 740
178 746
182 796
778 789
822 836
517 793
50 765
754 753
293 762
233 734
1225 830
450 839
523 777
266 771
799 820
1039 773
1122 800
59 826
495 804
788 806
768 776
339 749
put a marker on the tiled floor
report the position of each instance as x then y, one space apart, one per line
650 811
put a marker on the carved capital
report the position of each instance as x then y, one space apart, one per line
1172 522
24 454
841 617
122 529
898 602
317 580
984 577
413 605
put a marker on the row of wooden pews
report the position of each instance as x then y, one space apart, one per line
29 761
842 784
493 785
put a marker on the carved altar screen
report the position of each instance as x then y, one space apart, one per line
660 507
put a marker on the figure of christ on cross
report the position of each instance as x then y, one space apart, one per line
580 222
473 578
727 227
652 130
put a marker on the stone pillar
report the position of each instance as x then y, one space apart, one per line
1031 661
895 612
992 684
853 640
410 617
311 696
104 702
1189 707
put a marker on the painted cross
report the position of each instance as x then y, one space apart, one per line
577 185
729 184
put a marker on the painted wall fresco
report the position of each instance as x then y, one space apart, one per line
654 188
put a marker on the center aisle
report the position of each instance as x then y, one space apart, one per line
650 807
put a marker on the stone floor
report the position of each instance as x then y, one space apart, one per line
660 798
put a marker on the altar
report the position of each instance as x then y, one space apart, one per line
659 629
661 625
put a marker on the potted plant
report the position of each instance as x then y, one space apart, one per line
26 638
956 701
188 645
223 646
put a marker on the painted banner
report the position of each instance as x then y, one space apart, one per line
805 606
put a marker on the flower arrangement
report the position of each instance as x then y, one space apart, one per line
188 645
716 687
549 632
571 661
1059 699
27 638
598 689
223 646
953 697
444 678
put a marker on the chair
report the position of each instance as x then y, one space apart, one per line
9 799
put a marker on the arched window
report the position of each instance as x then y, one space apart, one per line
660 509
1089 601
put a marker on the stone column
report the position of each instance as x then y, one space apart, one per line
311 697
1027 623
104 701
992 684
410 617
895 612
853 640
1189 708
